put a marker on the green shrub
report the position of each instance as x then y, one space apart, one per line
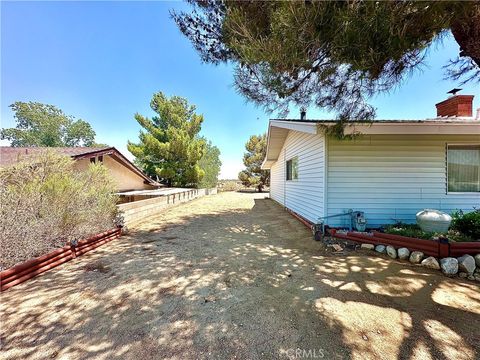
467 223
46 203
410 230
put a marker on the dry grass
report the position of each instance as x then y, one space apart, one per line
234 276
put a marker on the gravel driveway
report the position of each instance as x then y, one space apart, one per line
234 276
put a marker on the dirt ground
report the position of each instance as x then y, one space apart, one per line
233 276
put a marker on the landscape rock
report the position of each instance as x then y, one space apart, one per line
391 252
380 248
367 246
449 266
403 253
463 275
466 263
477 260
416 257
431 263
471 277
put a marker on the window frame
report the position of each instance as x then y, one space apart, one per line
286 168
447 145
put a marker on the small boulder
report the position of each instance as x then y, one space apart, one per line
449 266
471 277
477 260
462 275
416 257
403 253
466 263
431 263
367 246
391 252
380 248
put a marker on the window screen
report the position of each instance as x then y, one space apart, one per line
292 169
463 168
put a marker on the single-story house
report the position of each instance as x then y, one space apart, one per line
394 169
127 176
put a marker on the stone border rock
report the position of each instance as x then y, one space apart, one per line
465 266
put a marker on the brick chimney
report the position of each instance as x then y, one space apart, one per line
457 105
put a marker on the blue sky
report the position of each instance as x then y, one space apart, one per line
102 61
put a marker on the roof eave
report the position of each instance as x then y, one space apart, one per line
464 126
119 157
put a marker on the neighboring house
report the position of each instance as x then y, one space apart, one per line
127 176
393 170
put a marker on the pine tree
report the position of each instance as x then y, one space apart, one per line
170 147
253 175
332 54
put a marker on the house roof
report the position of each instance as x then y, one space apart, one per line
438 120
11 155
278 130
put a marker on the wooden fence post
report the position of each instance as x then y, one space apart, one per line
443 247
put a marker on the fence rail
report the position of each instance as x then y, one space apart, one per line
33 267
137 211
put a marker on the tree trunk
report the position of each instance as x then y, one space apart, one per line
466 31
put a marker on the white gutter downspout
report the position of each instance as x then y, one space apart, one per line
325 175
284 176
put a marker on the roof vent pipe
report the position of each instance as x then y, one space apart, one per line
303 113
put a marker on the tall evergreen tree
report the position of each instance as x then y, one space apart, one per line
253 175
170 148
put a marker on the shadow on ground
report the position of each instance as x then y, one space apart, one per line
235 276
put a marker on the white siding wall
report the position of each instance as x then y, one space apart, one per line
277 179
305 196
392 177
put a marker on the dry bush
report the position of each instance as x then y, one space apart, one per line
46 203
229 185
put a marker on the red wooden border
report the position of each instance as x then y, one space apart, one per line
437 248
28 269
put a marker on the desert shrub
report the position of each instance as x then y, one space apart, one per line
467 223
456 233
46 203
229 185
410 230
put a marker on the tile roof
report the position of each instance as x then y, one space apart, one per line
11 155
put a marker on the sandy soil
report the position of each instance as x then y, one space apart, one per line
234 276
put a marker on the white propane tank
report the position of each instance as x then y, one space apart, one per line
431 220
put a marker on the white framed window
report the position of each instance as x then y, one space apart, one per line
463 168
292 169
